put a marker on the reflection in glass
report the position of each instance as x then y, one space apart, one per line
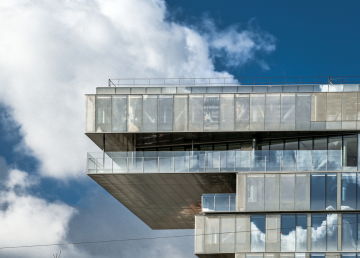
301 233
320 144
150 113
255 192
349 232
318 232
331 191
350 151
305 144
317 192
331 232
348 191
222 202
257 235
288 233
166 106
208 202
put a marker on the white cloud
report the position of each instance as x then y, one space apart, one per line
29 220
54 52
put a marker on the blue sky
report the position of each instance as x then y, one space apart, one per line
51 54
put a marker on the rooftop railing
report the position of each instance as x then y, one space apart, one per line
232 81
217 161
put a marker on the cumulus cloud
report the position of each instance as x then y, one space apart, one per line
26 219
54 52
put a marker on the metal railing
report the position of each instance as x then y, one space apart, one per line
232 81
216 161
218 202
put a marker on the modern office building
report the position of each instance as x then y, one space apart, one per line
259 167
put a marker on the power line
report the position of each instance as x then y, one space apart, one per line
152 238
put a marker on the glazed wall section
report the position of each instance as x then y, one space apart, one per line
277 233
222 112
298 192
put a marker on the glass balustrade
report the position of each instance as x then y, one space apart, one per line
218 202
216 161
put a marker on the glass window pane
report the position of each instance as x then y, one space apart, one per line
304 160
227 236
232 202
242 233
348 191
181 161
291 144
151 161
211 112
222 202
212 236
134 119
302 192
257 237
287 192
318 232
331 191
242 112
288 111
199 234
263 145
227 110
242 160
257 111
272 192
118 123
288 160
274 159
301 233
150 115
320 144
273 225
288 233
208 202
350 151
90 113
166 161
227 160
317 192
319 160
255 192
166 106
335 143
272 118
196 112
180 113
331 232
259 159
277 145
103 113
305 144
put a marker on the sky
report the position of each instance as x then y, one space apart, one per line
54 52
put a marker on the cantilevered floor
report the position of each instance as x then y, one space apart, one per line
165 201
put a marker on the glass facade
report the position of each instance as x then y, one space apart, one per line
294 173
244 112
285 233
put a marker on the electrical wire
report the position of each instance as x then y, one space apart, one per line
152 238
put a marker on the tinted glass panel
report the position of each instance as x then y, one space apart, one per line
349 232
331 191
348 191
257 233
317 192
288 233
305 144
320 144
350 152
318 232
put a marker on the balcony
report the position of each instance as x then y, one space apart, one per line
218 202
217 161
